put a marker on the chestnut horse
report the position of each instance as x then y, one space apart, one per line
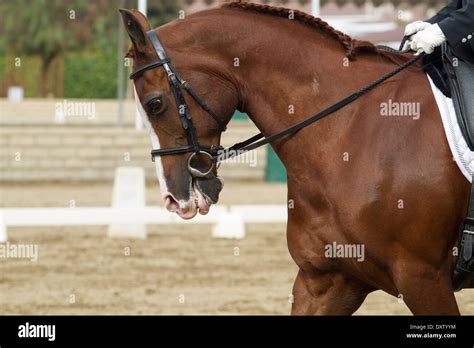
386 186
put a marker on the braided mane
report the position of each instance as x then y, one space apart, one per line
352 46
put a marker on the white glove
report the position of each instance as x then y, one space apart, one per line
415 27
425 40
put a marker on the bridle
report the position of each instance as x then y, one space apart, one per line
176 82
217 153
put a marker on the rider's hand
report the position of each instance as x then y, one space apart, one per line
415 27
427 39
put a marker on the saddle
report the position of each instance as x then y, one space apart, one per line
441 67
464 269
466 121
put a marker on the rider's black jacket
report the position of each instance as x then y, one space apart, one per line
456 20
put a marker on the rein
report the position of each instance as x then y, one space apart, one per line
259 140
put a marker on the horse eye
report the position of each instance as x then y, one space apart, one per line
155 106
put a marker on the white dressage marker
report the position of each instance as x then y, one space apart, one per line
129 192
230 225
15 94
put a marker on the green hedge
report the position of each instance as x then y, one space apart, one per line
26 76
90 77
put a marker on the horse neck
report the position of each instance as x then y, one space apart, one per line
287 82
283 71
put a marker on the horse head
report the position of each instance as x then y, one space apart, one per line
188 179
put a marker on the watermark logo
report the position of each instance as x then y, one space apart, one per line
353 251
238 156
37 331
74 109
402 109
19 251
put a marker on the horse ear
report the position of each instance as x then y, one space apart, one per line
136 26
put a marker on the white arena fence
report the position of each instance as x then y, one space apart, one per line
128 214
227 221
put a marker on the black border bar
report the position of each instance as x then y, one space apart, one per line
139 330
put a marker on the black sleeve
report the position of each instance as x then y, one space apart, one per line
458 26
444 12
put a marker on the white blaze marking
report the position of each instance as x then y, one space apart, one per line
156 146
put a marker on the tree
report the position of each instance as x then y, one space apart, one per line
415 2
434 3
396 3
44 28
341 3
163 11
52 28
377 2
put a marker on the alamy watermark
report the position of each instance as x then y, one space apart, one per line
352 251
402 109
19 251
74 109
238 156
28 330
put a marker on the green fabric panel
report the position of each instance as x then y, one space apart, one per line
275 171
240 116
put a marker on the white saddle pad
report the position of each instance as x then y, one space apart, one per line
461 153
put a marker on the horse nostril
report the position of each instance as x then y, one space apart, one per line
171 204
